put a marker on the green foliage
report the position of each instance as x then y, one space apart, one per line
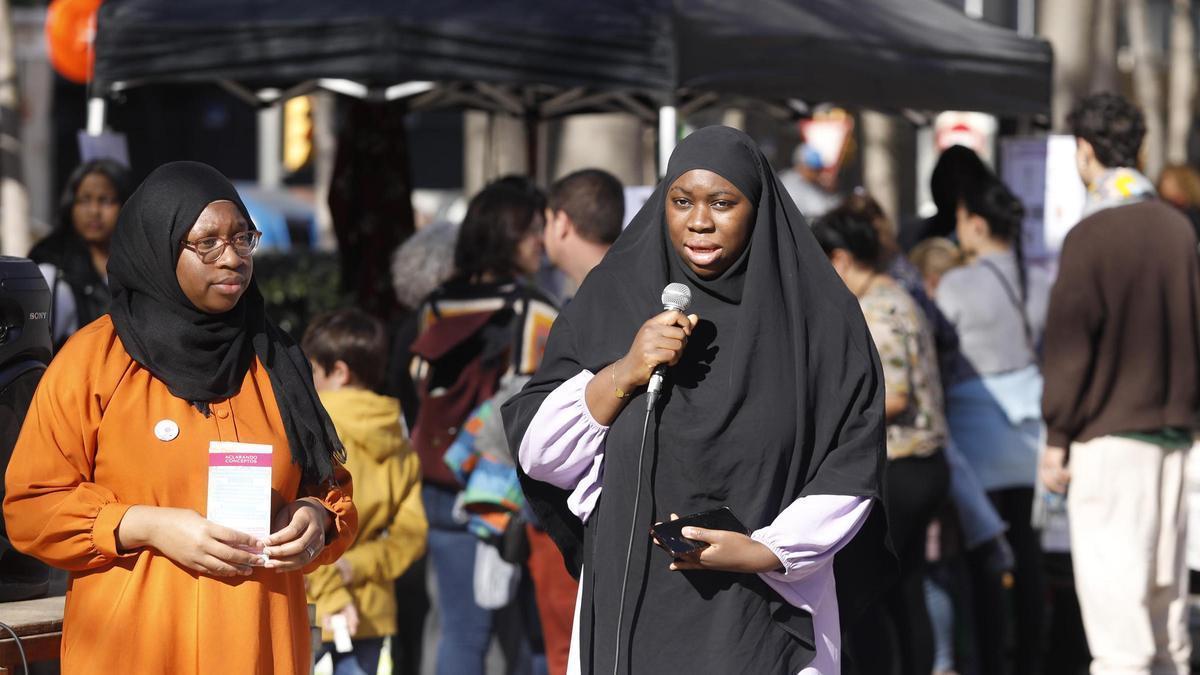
299 285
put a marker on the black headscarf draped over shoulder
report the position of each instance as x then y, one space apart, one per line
204 357
778 395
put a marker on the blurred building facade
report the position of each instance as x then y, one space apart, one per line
458 151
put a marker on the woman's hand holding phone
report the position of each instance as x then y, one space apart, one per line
726 551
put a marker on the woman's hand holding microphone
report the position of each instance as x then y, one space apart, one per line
659 341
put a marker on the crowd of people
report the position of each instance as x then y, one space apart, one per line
1097 370
891 420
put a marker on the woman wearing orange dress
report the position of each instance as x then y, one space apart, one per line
109 479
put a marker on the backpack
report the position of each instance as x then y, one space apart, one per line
462 354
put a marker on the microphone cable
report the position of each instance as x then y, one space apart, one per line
678 297
20 648
633 527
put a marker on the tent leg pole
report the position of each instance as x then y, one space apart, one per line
668 132
96 109
1026 13
270 141
533 167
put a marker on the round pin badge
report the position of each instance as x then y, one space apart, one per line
166 430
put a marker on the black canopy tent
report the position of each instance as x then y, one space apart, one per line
540 59
548 58
882 54
521 57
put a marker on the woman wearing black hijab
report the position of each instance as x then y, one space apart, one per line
109 477
774 408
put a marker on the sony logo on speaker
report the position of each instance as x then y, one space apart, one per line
38 316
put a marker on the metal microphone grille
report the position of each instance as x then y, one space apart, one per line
677 297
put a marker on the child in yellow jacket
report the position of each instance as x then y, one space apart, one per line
348 351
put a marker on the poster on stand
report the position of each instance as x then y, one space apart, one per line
1041 173
1023 170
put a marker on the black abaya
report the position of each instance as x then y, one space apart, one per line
779 395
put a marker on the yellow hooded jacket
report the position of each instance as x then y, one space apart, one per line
391 517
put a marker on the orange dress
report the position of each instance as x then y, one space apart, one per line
87 452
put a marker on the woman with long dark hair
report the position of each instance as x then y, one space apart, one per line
998 306
486 323
74 257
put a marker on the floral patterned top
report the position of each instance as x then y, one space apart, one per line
906 350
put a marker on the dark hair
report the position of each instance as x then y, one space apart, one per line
860 204
349 335
863 205
595 202
498 218
1112 125
1004 215
957 171
115 172
850 232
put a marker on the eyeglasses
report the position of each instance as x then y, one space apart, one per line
210 249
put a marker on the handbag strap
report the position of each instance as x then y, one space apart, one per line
1015 300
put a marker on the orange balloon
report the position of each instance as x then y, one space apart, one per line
70 29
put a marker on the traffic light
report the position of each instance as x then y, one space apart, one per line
297 133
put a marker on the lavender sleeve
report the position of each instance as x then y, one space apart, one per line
805 538
810 531
564 445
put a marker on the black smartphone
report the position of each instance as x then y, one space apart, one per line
668 535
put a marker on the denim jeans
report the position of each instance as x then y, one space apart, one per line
941 618
976 514
465 628
363 660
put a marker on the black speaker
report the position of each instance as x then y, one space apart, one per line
24 312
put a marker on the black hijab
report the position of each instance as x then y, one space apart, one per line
778 395
204 357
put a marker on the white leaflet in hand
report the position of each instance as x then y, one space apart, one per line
239 487
341 633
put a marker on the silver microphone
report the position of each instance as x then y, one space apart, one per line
677 297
